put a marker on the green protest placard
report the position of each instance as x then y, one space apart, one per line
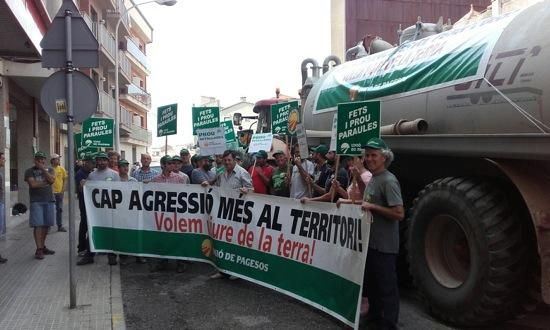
98 132
229 131
81 150
167 120
285 117
357 123
205 117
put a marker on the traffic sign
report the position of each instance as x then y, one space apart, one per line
85 47
98 132
54 100
167 120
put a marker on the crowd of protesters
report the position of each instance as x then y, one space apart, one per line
321 177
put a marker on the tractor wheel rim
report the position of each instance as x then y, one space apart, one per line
447 251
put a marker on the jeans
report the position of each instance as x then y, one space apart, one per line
380 286
59 209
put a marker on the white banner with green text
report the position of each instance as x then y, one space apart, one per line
313 252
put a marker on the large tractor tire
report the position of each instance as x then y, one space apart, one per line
466 252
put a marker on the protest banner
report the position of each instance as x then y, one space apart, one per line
205 117
81 150
211 141
314 252
357 123
260 141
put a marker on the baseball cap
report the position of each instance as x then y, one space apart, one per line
322 149
184 151
261 154
123 162
101 154
176 158
165 159
278 152
54 156
39 154
376 143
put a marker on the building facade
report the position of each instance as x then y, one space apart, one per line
25 127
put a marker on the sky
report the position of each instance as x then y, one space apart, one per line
230 49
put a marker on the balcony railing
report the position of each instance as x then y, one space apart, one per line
126 117
106 104
141 134
107 40
139 95
124 63
134 50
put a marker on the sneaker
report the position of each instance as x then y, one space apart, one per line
39 254
61 228
85 260
82 253
112 259
3 260
217 276
48 251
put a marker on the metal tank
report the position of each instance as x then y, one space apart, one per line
476 181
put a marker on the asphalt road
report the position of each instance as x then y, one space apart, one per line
190 300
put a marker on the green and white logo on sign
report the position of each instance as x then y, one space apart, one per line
357 123
81 150
205 117
98 132
285 117
167 120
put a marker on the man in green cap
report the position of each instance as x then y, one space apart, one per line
383 199
167 175
88 164
279 184
202 174
123 170
40 179
104 173
322 170
186 166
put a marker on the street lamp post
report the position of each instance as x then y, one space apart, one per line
117 65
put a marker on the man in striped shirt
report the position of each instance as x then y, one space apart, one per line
145 173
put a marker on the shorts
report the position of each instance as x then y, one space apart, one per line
42 214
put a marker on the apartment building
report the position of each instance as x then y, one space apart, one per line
134 34
24 125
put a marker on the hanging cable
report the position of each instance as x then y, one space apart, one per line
522 111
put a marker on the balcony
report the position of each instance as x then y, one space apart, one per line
105 38
137 55
136 96
106 104
132 133
125 71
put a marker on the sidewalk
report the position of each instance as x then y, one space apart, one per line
34 294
